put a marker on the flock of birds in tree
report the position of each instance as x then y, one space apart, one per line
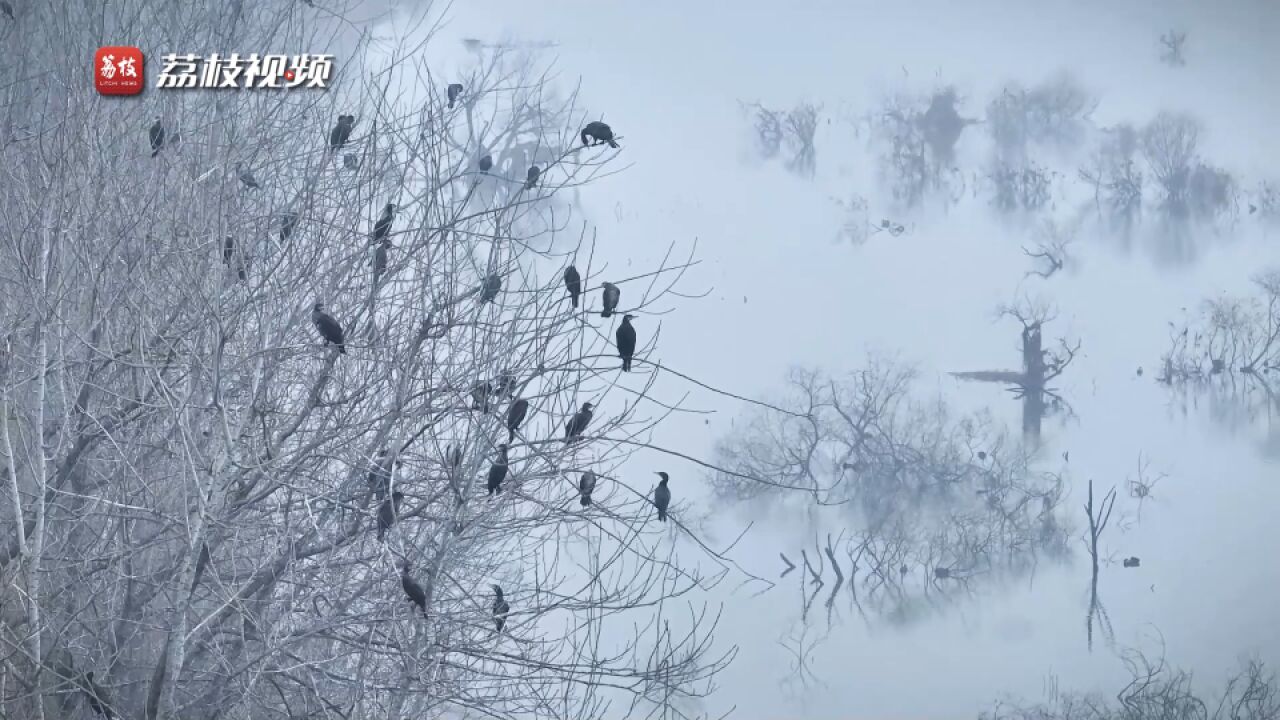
331 331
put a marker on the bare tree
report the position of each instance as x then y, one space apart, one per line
793 130
1172 44
1056 113
1168 146
1052 249
192 476
1040 366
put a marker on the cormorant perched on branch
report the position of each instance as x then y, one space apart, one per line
498 470
573 283
413 590
388 511
156 134
380 259
662 496
246 177
486 163
455 89
329 328
516 415
229 254
626 337
341 132
201 563
586 486
611 297
480 395
379 478
578 423
531 179
383 226
599 133
288 223
490 288
97 697
500 608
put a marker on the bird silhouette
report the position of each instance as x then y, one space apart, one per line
246 177
573 283
490 288
485 164
515 416
388 511
454 90
500 608
662 496
498 471
611 297
626 337
288 223
156 135
586 486
383 226
531 178
578 423
599 133
413 590
341 132
329 328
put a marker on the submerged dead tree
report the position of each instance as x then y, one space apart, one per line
1040 365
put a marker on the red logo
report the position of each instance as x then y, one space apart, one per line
117 70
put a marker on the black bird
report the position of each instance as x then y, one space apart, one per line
246 177
586 486
229 254
626 337
413 590
662 496
288 223
329 328
388 512
455 89
341 132
455 457
1132 562
97 697
486 163
490 288
7 9
500 608
201 563
578 423
379 477
531 180
611 297
498 470
982 455
516 415
383 226
480 394
599 133
157 137
573 283
380 259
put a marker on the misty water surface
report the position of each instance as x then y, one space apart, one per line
784 292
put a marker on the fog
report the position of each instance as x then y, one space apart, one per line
784 290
